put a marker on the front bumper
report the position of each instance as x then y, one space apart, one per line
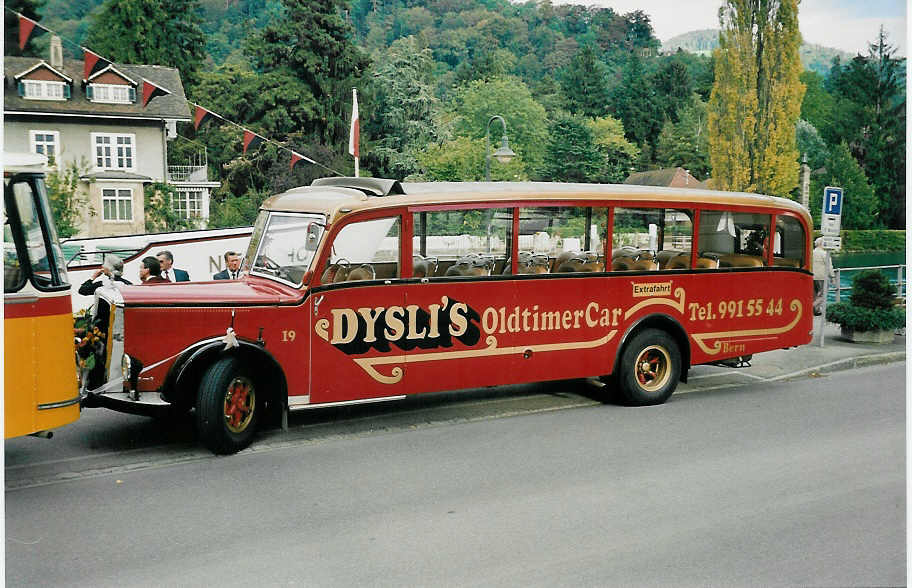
149 403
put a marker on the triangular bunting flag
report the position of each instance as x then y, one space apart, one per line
297 158
251 140
150 91
201 116
26 28
92 63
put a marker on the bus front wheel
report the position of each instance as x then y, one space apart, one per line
649 368
227 407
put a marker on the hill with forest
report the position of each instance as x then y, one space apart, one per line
813 57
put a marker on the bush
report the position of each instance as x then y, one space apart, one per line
877 240
872 289
870 307
859 318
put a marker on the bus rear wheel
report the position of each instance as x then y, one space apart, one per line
649 368
227 408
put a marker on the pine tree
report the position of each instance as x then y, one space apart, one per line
155 32
756 97
311 45
584 84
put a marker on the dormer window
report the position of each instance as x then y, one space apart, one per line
44 90
111 93
110 86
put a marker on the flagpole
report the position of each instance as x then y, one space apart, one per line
354 138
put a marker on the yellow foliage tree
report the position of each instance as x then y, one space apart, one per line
756 97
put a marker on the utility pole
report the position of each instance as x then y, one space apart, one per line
805 180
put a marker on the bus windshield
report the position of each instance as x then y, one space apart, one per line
283 245
39 249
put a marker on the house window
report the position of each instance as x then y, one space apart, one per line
43 90
117 204
111 93
188 203
113 151
46 143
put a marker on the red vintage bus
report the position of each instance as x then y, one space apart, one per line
362 289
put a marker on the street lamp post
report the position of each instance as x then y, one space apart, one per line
504 154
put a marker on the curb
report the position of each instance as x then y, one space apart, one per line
846 364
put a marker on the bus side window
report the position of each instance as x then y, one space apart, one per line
676 239
454 243
366 250
636 239
567 239
734 239
13 276
789 245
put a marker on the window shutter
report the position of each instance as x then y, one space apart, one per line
89 91
132 94
21 89
66 91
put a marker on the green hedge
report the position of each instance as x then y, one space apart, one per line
873 240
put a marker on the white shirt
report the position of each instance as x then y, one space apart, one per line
823 267
168 274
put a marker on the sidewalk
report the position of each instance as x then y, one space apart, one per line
836 354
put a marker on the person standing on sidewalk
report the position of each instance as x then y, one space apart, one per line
823 270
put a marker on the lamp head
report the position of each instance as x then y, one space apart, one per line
504 154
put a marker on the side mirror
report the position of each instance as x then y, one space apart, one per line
313 237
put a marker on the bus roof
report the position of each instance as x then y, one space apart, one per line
14 163
336 200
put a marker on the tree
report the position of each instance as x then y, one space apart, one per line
686 143
27 8
673 87
463 160
65 196
402 104
870 115
818 104
810 143
584 84
475 103
635 104
756 97
161 217
310 49
618 154
157 32
571 154
861 207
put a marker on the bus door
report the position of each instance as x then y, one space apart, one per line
361 327
40 390
466 333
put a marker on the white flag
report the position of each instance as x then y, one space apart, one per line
355 135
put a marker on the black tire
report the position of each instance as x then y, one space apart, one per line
227 408
649 368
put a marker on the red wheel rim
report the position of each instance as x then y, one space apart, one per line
652 368
240 402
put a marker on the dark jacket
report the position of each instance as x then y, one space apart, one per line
88 287
223 275
180 275
156 280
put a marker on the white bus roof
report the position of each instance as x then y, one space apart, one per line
23 162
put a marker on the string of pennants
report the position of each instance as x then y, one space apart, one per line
94 62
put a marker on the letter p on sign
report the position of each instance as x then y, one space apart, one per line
832 200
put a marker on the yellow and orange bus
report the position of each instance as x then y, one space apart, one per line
39 373
365 290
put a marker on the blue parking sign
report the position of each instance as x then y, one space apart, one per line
832 200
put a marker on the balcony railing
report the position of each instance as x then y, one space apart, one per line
187 173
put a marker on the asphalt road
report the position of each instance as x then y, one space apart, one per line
797 482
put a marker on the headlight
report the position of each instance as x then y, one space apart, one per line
125 369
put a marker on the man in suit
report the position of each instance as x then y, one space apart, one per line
232 269
150 272
172 274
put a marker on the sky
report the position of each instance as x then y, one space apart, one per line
848 25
